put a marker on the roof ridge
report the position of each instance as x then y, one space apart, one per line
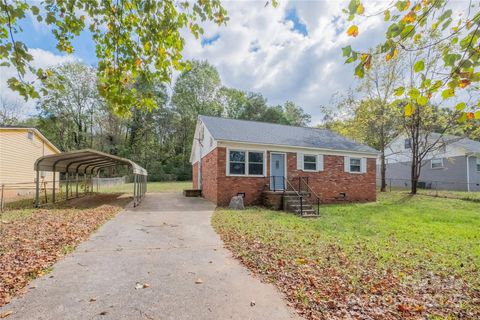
266 122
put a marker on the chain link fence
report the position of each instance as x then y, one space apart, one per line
12 194
445 189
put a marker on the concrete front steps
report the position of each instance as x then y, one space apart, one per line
293 204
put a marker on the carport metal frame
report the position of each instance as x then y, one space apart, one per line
88 163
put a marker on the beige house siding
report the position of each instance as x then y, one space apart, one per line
19 149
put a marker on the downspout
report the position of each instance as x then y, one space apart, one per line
200 178
468 173
200 165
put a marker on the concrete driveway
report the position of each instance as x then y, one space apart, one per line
167 244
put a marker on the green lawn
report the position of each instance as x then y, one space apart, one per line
170 186
401 246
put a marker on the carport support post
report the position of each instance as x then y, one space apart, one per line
66 185
76 187
134 190
53 187
37 189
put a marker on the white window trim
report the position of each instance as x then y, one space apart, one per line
431 164
477 164
246 163
319 159
316 162
350 165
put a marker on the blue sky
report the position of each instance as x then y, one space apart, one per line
36 36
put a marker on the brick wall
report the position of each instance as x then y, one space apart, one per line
231 186
333 180
328 184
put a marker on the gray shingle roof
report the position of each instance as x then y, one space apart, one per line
277 134
467 144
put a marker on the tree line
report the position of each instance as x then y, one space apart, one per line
73 115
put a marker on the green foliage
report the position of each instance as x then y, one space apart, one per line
73 116
414 239
132 39
425 29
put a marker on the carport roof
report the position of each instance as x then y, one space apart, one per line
84 161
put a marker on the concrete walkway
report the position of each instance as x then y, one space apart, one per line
167 243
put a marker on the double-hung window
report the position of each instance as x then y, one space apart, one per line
246 163
408 143
437 163
309 162
355 165
237 162
255 163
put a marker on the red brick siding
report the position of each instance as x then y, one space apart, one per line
209 176
231 186
328 184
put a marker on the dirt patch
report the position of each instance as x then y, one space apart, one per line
34 241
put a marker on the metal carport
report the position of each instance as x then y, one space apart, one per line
88 163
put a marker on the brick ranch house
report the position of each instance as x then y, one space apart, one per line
251 158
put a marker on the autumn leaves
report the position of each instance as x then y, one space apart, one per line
444 47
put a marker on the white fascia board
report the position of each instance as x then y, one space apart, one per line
284 148
194 142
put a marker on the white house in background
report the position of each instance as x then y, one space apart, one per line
453 165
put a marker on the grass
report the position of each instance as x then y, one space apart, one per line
410 237
470 196
170 186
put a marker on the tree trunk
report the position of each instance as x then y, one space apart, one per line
414 178
383 169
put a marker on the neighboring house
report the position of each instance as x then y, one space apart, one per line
250 157
19 149
454 164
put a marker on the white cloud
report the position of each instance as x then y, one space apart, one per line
287 65
41 59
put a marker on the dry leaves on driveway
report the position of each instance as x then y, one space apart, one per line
37 238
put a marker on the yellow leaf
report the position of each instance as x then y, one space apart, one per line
409 110
360 9
352 31
410 17
138 62
390 55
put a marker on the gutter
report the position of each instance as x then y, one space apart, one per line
468 171
324 150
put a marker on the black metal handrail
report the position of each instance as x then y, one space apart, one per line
310 190
299 195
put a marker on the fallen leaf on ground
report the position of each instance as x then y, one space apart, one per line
199 281
5 314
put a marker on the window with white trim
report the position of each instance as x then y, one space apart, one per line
250 163
30 135
355 165
309 162
237 162
436 163
478 164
